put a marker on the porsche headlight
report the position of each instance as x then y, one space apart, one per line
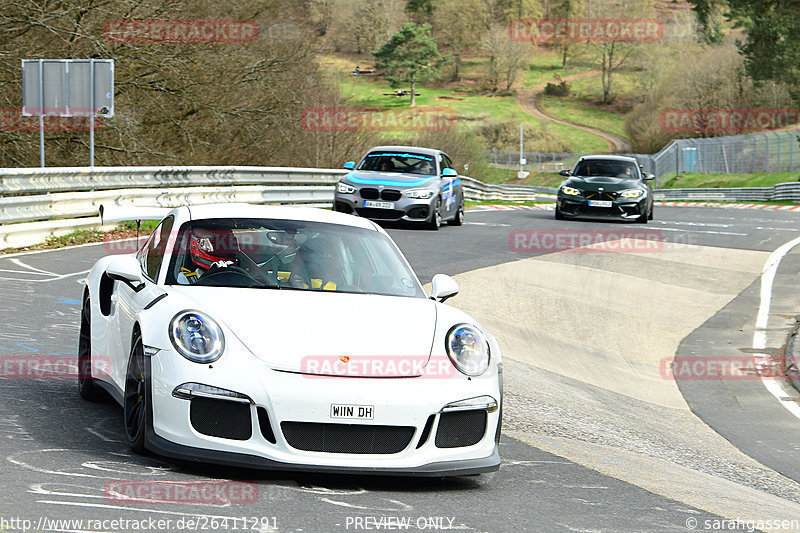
631 193
570 191
196 336
344 188
468 349
419 193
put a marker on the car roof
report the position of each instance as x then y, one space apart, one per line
397 148
278 212
609 158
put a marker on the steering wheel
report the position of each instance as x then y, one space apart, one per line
232 271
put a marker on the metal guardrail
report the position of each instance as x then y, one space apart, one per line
37 202
782 192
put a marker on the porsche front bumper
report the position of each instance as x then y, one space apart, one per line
282 420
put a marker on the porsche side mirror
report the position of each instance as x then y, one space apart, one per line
565 172
126 269
443 287
648 176
449 173
350 165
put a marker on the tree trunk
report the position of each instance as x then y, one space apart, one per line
564 56
608 65
413 92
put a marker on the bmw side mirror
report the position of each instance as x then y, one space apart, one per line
350 165
443 287
565 172
649 176
449 172
126 268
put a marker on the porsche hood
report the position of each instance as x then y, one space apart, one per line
307 331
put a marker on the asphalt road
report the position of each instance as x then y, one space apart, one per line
61 452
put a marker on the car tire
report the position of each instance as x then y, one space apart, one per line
650 216
459 218
136 402
86 386
558 214
436 217
643 218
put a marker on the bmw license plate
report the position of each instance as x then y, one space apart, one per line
353 412
379 205
600 203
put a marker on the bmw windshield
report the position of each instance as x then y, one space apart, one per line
406 162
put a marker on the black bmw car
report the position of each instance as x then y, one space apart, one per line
606 186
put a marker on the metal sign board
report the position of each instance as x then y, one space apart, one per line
68 87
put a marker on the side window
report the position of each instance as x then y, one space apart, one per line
446 163
153 253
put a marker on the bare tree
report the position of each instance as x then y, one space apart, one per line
506 57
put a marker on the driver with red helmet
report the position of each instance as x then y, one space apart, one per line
209 248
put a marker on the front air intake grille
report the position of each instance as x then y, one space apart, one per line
346 438
460 428
221 418
368 193
390 195
380 214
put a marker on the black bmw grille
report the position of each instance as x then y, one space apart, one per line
347 438
221 418
368 193
593 195
460 428
390 195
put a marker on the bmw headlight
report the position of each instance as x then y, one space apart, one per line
468 349
570 191
631 193
419 193
344 188
196 336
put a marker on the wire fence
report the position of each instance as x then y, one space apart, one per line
768 152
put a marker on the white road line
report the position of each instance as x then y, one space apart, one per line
26 266
762 319
701 231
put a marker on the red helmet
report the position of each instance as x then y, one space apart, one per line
208 246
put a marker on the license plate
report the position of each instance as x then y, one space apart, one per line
379 205
353 412
600 203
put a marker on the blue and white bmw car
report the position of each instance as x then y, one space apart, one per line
288 338
408 183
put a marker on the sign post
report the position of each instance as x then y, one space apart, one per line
68 88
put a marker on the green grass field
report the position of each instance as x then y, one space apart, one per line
689 181
467 104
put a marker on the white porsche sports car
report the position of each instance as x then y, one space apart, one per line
288 338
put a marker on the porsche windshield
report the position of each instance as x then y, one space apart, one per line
286 254
410 163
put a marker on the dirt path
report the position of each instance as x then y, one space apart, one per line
529 102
